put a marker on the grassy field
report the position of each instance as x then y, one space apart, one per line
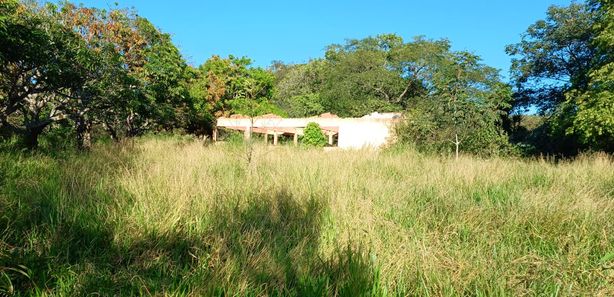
175 217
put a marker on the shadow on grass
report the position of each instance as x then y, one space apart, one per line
59 231
272 248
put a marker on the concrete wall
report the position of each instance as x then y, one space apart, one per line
364 134
354 133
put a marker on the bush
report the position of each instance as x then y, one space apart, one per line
313 135
431 132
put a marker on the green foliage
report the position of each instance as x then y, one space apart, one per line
231 86
38 62
165 95
464 101
594 118
298 88
363 76
87 67
553 57
313 135
381 73
254 108
563 66
303 105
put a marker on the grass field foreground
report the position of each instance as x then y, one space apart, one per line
175 217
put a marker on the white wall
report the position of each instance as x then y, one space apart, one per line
363 134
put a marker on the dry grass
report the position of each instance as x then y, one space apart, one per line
178 218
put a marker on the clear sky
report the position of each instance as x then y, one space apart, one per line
296 31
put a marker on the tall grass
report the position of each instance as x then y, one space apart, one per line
174 217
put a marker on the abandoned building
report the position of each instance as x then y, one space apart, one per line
373 130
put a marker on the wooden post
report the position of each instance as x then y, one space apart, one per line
295 139
457 144
330 138
266 137
248 133
214 134
274 137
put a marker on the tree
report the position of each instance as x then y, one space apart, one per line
112 56
594 120
86 67
554 70
461 110
135 78
381 73
366 75
225 86
163 101
554 56
298 88
38 64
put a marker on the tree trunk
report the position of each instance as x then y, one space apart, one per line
112 132
84 136
31 137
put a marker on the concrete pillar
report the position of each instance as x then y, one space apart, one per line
295 139
275 137
330 138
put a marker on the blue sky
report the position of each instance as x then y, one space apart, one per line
296 31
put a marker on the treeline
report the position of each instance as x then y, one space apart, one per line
447 96
73 72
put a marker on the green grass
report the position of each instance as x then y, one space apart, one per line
174 217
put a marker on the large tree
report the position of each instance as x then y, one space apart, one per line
298 88
37 64
135 76
381 73
560 67
225 86
594 119
374 74
161 99
554 56
461 109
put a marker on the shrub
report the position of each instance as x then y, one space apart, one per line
313 135
432 131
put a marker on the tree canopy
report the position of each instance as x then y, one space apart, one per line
230 85
444 94
560 68
594 120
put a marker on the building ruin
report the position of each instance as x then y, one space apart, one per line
373 130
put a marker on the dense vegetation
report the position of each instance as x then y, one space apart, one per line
70 73
92 203
564 66
172 217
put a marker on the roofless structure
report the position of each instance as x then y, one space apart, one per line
373 130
